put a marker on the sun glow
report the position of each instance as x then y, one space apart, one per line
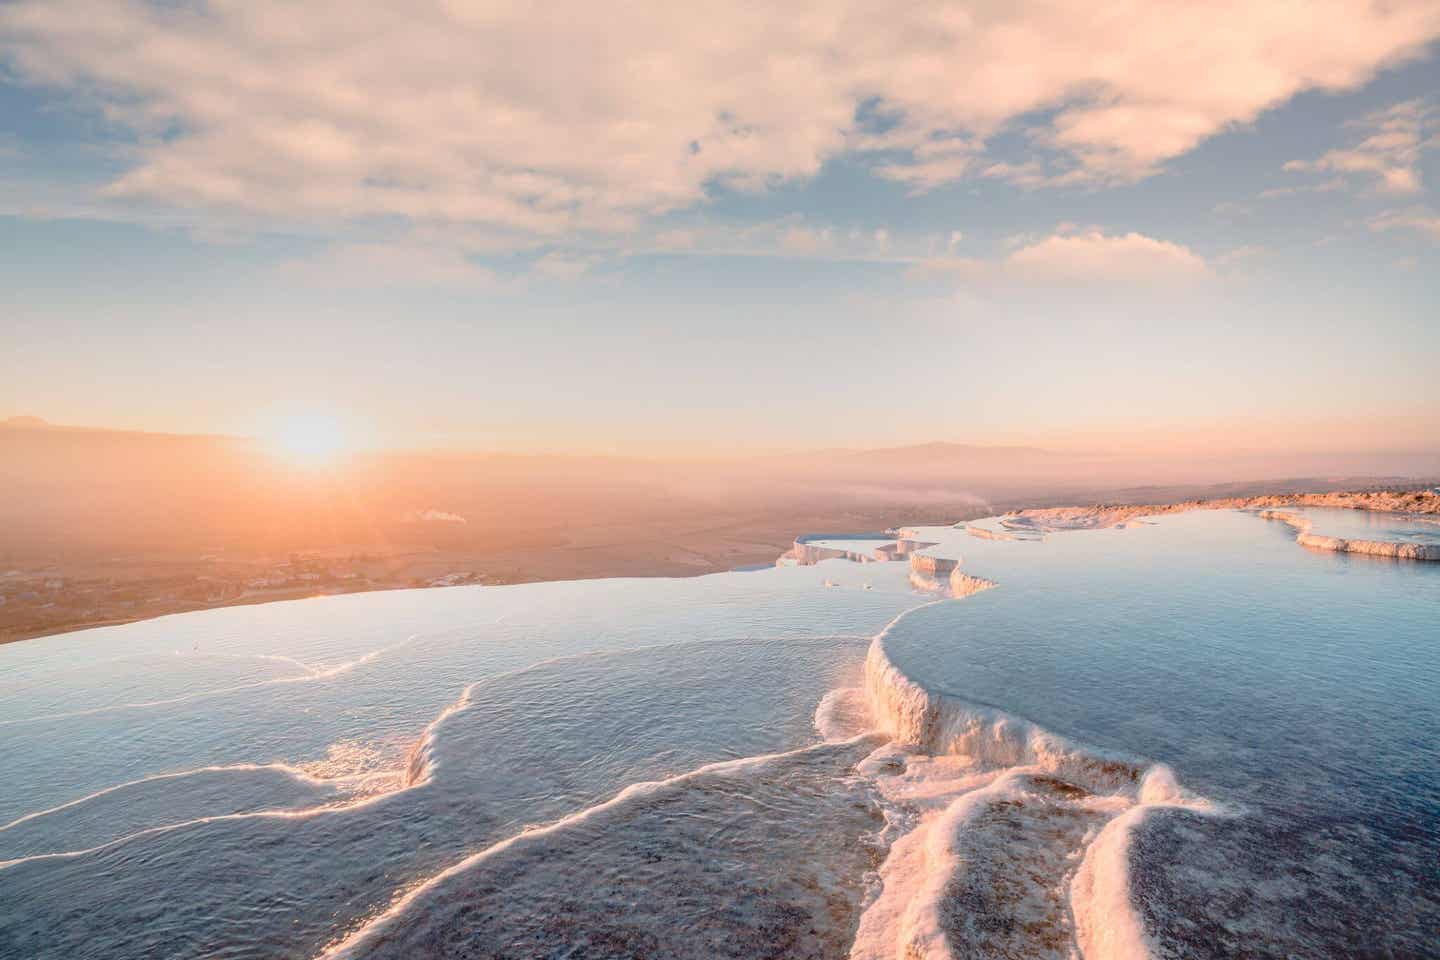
310 440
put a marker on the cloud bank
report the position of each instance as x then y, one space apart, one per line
586 116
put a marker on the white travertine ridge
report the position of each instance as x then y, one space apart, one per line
1306 537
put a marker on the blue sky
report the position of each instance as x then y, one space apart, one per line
817 227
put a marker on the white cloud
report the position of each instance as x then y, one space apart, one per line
952 268
593 117
931 163
1240 254
1093 256
1324 186
676 239
559 265
405 262
1419 219
1388 158
1029 174
1231 210
805 240
1074 256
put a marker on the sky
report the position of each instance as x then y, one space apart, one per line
710 228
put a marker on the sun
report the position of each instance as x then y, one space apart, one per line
309 440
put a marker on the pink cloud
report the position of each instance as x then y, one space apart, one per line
1417 219
1388 158
595 118
1070 256
1094 256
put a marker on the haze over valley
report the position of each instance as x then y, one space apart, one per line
106 526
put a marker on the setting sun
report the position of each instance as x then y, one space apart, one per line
311 440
